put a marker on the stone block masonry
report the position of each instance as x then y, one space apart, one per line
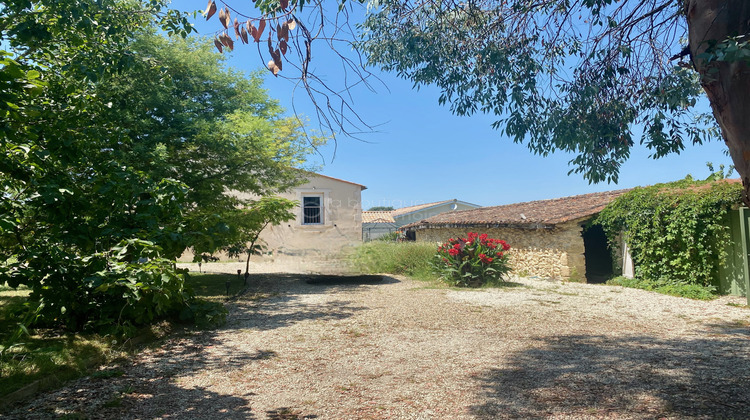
556 252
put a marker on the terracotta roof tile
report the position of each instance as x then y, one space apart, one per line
377 217
533 213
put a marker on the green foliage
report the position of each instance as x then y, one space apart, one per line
692 291
474 261
204 314
406 258
719 174
391 237
380 208
118 147
62 356
676 232
243 227
560 75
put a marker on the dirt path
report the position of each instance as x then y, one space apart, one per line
403 349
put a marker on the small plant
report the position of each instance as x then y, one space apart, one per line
668 287
472 261
391 237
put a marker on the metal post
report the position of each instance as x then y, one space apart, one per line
745 256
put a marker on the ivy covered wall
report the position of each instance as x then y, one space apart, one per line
678 233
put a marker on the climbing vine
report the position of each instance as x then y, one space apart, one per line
677 232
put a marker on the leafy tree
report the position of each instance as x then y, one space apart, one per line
210 128
247 224
63 193
380 208
574 75
119 146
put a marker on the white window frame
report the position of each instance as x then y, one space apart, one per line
324 202
320 207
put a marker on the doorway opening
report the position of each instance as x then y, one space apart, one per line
597 254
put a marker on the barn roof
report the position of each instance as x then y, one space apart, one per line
530 214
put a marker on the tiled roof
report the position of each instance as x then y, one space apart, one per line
377 217
532 213
411 209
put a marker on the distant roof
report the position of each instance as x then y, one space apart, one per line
337 179
377 217
542 213
411 209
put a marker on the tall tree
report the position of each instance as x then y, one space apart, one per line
119 147
574 75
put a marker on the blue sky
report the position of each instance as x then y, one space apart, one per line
422 153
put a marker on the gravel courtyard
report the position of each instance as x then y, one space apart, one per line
317 346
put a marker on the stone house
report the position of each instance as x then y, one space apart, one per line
328 218
378 223
549 238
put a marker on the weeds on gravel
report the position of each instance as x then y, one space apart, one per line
692 291
406 258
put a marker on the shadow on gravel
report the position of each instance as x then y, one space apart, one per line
160 386
634 377
272 301
330 280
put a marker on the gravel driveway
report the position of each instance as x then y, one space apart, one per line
302 346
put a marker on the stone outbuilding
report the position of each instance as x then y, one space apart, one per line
549 238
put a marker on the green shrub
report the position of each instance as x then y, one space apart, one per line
473 261
112 292
668 287
675 231
407 258
204 313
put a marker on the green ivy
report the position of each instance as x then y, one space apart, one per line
677 232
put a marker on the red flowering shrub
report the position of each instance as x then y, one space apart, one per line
472 261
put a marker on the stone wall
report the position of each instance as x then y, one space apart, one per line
550 253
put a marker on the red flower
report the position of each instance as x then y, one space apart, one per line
453 252
505 245
499 254
457 246
483 237
485 259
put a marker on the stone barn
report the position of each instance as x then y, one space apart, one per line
549 238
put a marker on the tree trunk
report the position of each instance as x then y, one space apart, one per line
727 84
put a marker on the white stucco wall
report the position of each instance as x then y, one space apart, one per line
341 226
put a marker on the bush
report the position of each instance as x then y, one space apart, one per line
112 292
667 287
472 261
407 258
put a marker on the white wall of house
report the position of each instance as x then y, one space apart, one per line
324 231
335 224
